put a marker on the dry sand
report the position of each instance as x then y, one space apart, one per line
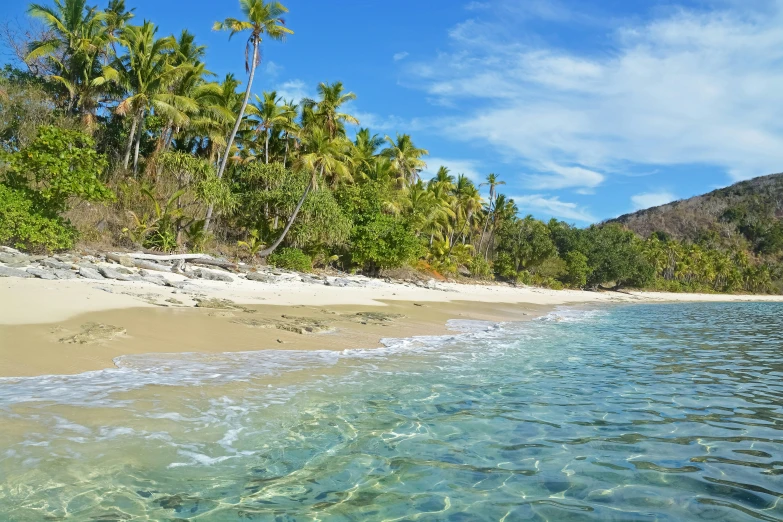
58 327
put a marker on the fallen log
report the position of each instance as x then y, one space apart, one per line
138 263
198 259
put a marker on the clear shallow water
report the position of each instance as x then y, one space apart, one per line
648 412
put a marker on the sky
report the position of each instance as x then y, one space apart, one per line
586 109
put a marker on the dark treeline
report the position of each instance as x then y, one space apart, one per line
117 136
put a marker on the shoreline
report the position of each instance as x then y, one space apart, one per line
72 326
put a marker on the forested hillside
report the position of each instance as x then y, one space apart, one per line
117 137
746 215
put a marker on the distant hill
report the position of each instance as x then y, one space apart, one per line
748 213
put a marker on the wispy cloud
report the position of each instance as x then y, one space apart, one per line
400 56
469 168
560 177
294 90
552 206
689 87
651 199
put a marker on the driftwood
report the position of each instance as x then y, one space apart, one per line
198 259
139 263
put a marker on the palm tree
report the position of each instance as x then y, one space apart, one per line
365 151
270 113
493 182
326 111
468 201
504 210
325 158
260 18
146 72
78 36
405 158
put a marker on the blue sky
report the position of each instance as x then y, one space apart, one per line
587 109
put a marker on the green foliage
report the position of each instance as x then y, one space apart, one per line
291 259
58 165
383 242
527 242
577 269
505 267
480 268
23 228
616 256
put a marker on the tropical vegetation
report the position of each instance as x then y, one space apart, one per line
116 135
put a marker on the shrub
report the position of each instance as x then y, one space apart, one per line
22 228
480 268
58 165
577 269
291 259
383 242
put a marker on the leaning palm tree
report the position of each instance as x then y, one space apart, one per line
405 158
260 18
146 72
325 159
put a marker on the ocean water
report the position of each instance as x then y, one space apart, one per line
666 412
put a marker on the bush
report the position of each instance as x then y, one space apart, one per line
58 165
577 269
480 268
22 228
383 242
291 259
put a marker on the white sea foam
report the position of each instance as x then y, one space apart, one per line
106 387
572 315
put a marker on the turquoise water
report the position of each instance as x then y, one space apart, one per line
632 413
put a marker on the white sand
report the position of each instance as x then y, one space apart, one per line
35 301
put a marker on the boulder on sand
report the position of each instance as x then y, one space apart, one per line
90 273
14 272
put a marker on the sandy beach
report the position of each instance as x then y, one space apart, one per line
72 326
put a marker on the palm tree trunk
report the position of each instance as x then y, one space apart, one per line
138 143
285 156
130 142
266 252
234 131
489 214
241 109
266 148
461 232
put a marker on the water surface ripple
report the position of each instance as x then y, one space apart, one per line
631 413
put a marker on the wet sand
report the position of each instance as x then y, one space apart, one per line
92 340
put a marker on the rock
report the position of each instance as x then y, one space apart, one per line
110 273
217 304
9 250
154 280
342 282
53 263
125 261
376 317
211 275
64 274
94 333
256 323
15 260
14 272
312 281
42 274
258 276
90 273
303 325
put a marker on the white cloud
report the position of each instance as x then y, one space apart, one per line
272 69
294 90
691 87
400 56
561 177
651 199
456 166
475 6
552 206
